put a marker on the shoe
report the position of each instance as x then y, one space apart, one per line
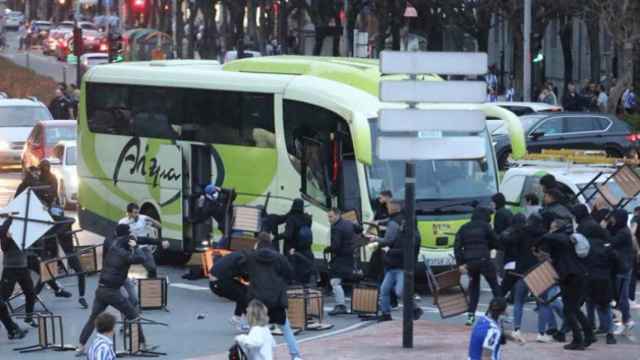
338 310
243 328
628 327
518 336
619 330
29 321
80 352
545 339
574 346
559 336
417 313
471 318
63 293
235 320
18 334
297 358
385 317
275 330
83 303
611 340
589 340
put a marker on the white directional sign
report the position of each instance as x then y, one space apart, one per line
443 63
31 219
418 91
436 148
406 120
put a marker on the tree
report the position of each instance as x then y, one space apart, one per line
620 20
390 17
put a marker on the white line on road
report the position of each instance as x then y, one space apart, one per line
337 332
190 287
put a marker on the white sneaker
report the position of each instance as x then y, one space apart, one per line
235 320
516 334
619 329
545 339
628 326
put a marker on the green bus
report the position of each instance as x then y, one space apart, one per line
291 127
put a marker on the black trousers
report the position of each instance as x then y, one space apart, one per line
149 263
233 290
573 289
485 268
5 318
11 276
104 298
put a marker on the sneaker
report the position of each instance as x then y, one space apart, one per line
518 336
275 330
385 317
338 310
235 320
17 333
297 358
29 321
83 303
471 318
611 340
574 346
559 336
619 330
543 338
80 352
628 327
63 293
243 328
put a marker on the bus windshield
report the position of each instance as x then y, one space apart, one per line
438 181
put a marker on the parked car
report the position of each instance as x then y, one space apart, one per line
525 108
13 20
583 131
63 165
43 138
17 119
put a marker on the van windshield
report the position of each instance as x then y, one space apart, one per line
22 116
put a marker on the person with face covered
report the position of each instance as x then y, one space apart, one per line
472 248
119 254
621 242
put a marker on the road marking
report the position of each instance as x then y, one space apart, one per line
190 287
337 332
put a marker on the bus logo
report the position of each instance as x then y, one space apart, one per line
138 164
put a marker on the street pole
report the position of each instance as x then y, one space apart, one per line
345 33
526 69
75 25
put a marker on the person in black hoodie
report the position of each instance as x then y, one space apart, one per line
342 261
224 281
472 247
621 242
14 265
269 274
560 247
298 242
121 253
501 221
554 209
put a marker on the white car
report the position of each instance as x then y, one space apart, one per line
13 20
63 165
92 59
17 118
524 108
522 180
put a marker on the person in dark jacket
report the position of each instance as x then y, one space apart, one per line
572 101
14 264
342 260
554 209
31 178
298 242
599 262
558 244
472 247
61 107
393 242
381 215
269 273
501 221
121 254
621 242
224 281
48 195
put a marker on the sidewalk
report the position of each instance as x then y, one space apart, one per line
436 341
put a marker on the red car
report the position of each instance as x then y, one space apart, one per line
43 138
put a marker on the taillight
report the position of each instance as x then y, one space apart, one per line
633 137
103 47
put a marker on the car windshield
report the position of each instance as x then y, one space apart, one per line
22 116
55 134
529 121
616 191
496 127
437 181
71 155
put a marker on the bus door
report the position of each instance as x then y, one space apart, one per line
344 171
315 182
201 171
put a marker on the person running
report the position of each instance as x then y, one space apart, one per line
472 247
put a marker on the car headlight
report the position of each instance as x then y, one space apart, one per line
4 145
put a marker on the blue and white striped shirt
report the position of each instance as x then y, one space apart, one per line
101 349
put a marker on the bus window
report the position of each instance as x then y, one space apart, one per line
315 182
153 109
107 109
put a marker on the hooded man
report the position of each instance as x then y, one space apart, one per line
342 261
621 242
472 249
298 242
14 263
501 221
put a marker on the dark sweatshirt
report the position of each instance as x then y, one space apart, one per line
13 257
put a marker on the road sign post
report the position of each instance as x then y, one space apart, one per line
414 134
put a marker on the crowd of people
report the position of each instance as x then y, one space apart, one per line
594 252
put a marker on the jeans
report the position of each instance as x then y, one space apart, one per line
338 291
11 276
488 271
393 281
131 290
622 287
546 317
604 316
573 295
149 263
104 298
520 292
290 339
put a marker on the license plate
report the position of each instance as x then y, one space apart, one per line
443 261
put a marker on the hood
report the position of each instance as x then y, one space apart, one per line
499 200
481 214
15 134
266 256
622 217
580 212
297 206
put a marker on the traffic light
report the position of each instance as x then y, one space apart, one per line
78 43
138 5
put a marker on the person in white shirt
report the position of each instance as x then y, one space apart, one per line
259 343
603 99
102 346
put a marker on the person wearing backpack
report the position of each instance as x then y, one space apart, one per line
599 262
560 247
298 241
621 242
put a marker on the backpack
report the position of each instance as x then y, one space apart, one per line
236 353
305 235
582 245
